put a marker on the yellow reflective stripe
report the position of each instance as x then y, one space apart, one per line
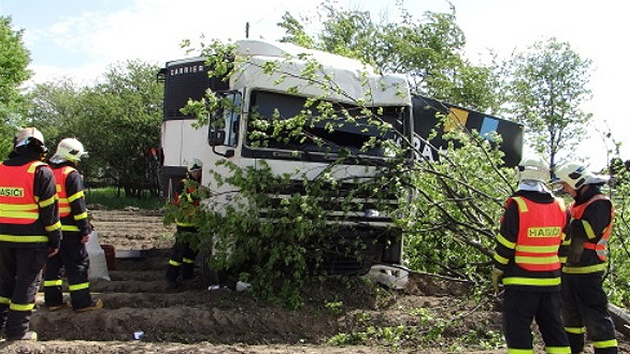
585 270
174 263
34 165
611 343
52 283
81 286
81 216
537 249
561 203
575 330
18 207
531 281
536 260
58 187
53 227
588 229
4 300
21 307
64 210
566 242
23 238
69 228
505 242
520 351
501 259
522 207
76 196
188 260
558 350
184 224
563 259
47 202
34 215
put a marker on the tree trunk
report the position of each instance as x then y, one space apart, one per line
621 319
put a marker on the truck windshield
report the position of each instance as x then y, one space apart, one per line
343 128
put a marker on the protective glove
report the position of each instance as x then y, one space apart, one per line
497 274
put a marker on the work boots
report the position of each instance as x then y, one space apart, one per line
29 335
63 305
96 305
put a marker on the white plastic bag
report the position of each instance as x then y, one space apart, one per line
98 262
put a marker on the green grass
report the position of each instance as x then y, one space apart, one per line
114 199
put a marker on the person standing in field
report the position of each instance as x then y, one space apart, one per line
30 230
585 301
73 256
529 253
187 201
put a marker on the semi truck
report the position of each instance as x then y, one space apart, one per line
347 84
354 91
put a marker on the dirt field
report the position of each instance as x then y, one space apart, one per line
195 319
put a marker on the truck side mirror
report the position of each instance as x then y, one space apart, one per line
216 137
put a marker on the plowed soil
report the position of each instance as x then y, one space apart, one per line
142 316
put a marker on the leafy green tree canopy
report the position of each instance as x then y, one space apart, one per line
14 59
548 87
430 51
117 120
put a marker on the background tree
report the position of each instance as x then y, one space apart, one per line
55 108
14 59
548 86
118 121
430 51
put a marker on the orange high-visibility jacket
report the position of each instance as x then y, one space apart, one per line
19 205
540 234
600 245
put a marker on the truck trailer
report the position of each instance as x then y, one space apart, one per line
433 118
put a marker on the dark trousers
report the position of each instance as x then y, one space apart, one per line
520 308
74 259
182 260
586 308
20 277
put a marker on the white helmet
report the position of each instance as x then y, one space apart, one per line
533 168
25 135
576 175
69 149
194 164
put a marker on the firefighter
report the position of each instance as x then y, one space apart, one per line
30 230
186 200
585 302
530 248
73 256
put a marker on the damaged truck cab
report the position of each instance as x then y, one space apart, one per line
258 92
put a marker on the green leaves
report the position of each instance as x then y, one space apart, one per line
14 59
548 86
118 121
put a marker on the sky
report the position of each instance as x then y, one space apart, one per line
79 39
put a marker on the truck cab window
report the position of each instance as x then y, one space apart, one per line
224 122
341 128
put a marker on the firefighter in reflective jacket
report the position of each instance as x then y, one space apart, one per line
29 230
187 199
585 302
73 255
528 255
